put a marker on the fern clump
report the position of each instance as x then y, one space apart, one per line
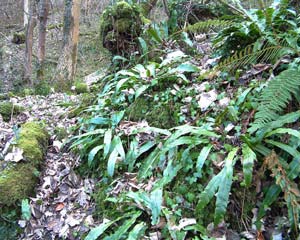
276 96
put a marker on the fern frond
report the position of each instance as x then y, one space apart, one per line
290 189
204 26
268 53
277 95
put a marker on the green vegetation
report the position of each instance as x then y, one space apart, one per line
81 87
194 157
17 181
8 109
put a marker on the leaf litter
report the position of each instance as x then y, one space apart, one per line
61 206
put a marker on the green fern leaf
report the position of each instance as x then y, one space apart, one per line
267 53
276 96
204 26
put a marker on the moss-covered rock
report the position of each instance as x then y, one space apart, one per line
81 87
120 25
17 181
7 109
18 37
161 116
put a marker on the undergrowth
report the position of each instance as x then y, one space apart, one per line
177 181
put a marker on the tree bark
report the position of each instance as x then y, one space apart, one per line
26 13
43 12
67 64
29 42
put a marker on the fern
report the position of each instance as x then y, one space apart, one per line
276 96
290 189
267 53
204 26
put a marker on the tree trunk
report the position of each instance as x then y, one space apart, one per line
29 41
26 13
67 64
43 7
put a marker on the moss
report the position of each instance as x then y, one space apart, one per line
60 133
3 96
157 116
81 87
7 109
123 25
18 38
122 10
18 181
120 25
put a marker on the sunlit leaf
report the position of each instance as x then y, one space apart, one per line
93 153
225 187
248 160
122 230
137 232
112 162
26 212
202 157
107 142
97 231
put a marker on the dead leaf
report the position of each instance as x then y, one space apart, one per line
59 207
15 156
206 99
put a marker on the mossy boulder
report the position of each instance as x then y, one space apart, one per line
120 26
81 87
7 109
161 116
17 180
18 38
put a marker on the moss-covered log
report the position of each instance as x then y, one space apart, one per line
17 181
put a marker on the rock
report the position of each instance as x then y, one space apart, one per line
120 25
81 87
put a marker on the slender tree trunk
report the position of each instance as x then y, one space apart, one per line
26 13
29 41
43 17
67 64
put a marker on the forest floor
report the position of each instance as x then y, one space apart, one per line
61 207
